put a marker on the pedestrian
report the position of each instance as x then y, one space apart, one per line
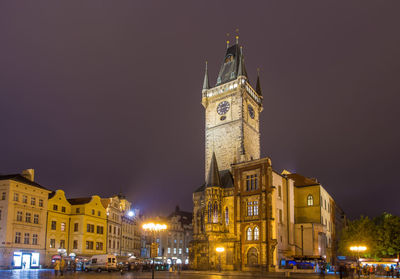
62 266
74 266
322 270
56 267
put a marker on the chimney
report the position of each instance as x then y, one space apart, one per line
29 174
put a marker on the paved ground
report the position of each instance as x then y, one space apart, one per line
36 274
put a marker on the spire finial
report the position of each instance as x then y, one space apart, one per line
227 44
206 83
237 35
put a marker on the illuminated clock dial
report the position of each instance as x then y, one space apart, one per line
251 111
223 107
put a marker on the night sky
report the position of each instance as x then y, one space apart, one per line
102 97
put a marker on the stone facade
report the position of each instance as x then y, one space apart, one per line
254 215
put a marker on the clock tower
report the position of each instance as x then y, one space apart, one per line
232 109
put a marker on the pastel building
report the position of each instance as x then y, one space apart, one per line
23 209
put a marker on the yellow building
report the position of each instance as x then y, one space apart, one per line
88 226
23 207
58 226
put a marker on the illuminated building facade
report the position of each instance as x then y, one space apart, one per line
23 209
244 206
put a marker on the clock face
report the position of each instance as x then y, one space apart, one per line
223 107
251 111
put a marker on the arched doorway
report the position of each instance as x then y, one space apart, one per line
252 257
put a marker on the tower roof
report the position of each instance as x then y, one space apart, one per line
206 83
232 66
258 85
213 178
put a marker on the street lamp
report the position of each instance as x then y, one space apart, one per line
219 251
358 249
153 228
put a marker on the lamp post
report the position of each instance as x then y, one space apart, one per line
219 251
358 249
153 228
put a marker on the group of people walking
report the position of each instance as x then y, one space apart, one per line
60 266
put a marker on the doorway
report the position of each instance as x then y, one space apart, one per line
26 261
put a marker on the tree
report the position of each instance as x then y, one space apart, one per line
388 235
358 232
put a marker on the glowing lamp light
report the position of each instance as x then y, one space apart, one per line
154 227
220 249
358 248
131 213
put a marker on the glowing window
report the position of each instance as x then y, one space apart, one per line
310 200
249 234
256 233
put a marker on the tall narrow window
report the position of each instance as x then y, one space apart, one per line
17 237
209 212
26 238
280 191
249 234
249 209
255 208
310 200
215 215
34 239
256 233
226 216
280 216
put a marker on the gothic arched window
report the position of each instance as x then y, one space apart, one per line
226 216
215 215
209 212
310 200
256 233
249 234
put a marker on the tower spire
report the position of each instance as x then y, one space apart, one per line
241 68
206 83
213 178
258 85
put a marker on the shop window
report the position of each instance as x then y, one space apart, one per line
256 233
249 234
34 239
19 216
310 200
17 237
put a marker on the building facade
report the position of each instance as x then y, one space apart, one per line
114 224
58 226
247 216
88 233
23 209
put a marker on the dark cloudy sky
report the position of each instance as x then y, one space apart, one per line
101 97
